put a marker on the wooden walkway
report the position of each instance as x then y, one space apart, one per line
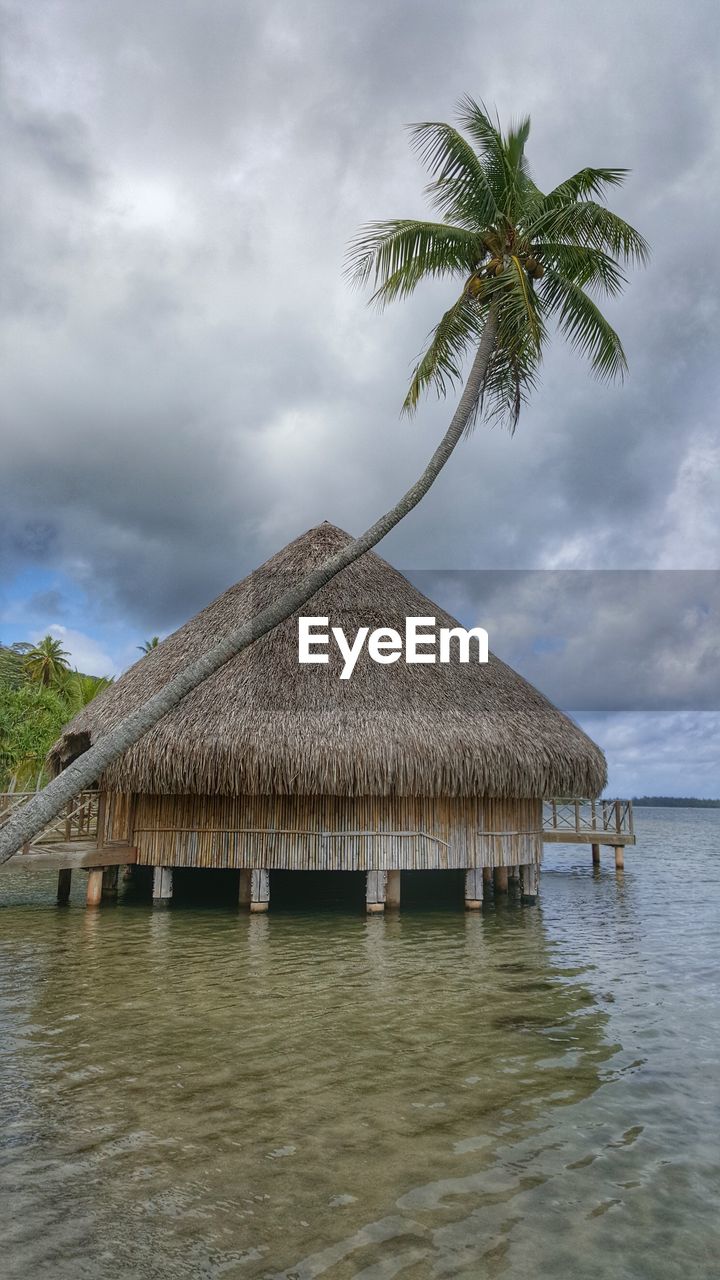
607 822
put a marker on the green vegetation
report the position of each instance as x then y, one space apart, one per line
39 693
675 802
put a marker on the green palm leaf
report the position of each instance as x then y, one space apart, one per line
527 255
584 325
441 365
398 255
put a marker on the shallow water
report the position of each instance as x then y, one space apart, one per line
532 1092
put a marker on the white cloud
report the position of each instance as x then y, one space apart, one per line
85 652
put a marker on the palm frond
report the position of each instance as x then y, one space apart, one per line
584 325
589 223
397 255
584 183
462 189
515 145
590 268
441 364
518 353
503 158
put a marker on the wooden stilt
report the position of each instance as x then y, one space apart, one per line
64 886
487 878
259 890
245 888
529 878
392 891
620 858
514 874
162 886
596 855
474 888
110 882
94 887
501 879
375 891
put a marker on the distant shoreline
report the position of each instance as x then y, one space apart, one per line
674 802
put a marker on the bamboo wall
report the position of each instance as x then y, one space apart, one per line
326 833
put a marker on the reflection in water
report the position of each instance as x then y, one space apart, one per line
200 1092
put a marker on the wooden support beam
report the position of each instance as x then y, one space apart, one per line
61 857
259 890
110 882
487 877
501 879
64 886
474 888
620 858
94 887
529 878
162 890
375 891
596 855
245 888
392 890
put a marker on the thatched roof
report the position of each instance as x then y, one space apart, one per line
265 724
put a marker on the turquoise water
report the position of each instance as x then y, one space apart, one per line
532 1092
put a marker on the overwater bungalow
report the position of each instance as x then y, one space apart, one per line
272 766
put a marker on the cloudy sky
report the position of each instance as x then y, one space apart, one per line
187 382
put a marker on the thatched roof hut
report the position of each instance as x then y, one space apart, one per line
264 728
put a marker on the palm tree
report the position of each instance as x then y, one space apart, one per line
147 646
524 259
46 663
78 690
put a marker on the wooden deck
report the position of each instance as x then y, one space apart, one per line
606 822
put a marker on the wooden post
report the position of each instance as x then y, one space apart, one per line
94 887
375 891
64 886
620 857
487 879
514 873
162 890
245 888
392 891
259 890
529 875
501 879
473 888
110 882
596 855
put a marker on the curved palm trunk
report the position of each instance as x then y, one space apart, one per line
28 821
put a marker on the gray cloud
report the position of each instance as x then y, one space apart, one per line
187 382
598 640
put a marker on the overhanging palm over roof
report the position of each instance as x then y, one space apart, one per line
265 724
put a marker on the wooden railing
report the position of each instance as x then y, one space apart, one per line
585 818
77 824
610 820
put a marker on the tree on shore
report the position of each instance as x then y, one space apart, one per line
45 663
523 260
39 693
